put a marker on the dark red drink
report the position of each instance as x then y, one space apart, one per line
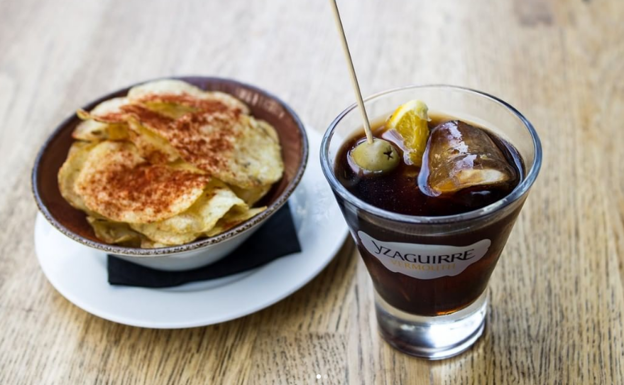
404 191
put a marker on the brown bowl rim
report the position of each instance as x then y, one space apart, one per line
198 244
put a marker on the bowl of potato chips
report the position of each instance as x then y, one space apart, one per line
172 173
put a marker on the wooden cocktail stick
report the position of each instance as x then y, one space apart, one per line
354 81
375 155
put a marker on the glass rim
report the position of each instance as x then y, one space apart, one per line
520 190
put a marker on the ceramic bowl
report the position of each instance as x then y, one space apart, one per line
73 223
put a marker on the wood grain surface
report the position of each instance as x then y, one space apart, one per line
556 295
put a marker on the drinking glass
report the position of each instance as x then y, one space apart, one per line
430 273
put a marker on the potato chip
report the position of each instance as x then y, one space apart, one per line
217 200
233 219
147 243
114 232
164 238
69 172
105 121
253 160
177 92
267 128
251 195
117 183
109 111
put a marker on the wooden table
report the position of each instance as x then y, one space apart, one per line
557 294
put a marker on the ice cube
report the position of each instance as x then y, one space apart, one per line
459 156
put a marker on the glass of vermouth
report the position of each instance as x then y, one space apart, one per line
431 225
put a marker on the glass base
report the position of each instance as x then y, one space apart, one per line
433 338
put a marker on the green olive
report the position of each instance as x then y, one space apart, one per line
377 157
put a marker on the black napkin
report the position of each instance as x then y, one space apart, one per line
276 238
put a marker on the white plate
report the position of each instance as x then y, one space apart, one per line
79 273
